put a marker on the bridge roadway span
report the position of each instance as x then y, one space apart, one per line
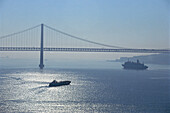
85 50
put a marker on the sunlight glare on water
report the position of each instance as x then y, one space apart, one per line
91 90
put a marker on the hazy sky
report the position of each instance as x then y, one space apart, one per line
126 23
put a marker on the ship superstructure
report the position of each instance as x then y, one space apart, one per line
134 65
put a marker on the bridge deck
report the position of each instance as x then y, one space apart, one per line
85 50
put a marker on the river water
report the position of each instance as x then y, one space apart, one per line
92 89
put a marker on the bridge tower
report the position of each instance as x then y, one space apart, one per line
41 48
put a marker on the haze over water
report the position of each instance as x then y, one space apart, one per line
96 86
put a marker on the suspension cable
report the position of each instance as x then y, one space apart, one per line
6 36
84 39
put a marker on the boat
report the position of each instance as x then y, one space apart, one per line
55 83
134 65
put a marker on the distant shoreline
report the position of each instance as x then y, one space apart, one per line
160 59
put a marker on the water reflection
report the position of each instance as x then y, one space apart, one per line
91 90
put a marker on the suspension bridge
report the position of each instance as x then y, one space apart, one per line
45 38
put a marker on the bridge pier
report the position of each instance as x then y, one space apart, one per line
41 49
